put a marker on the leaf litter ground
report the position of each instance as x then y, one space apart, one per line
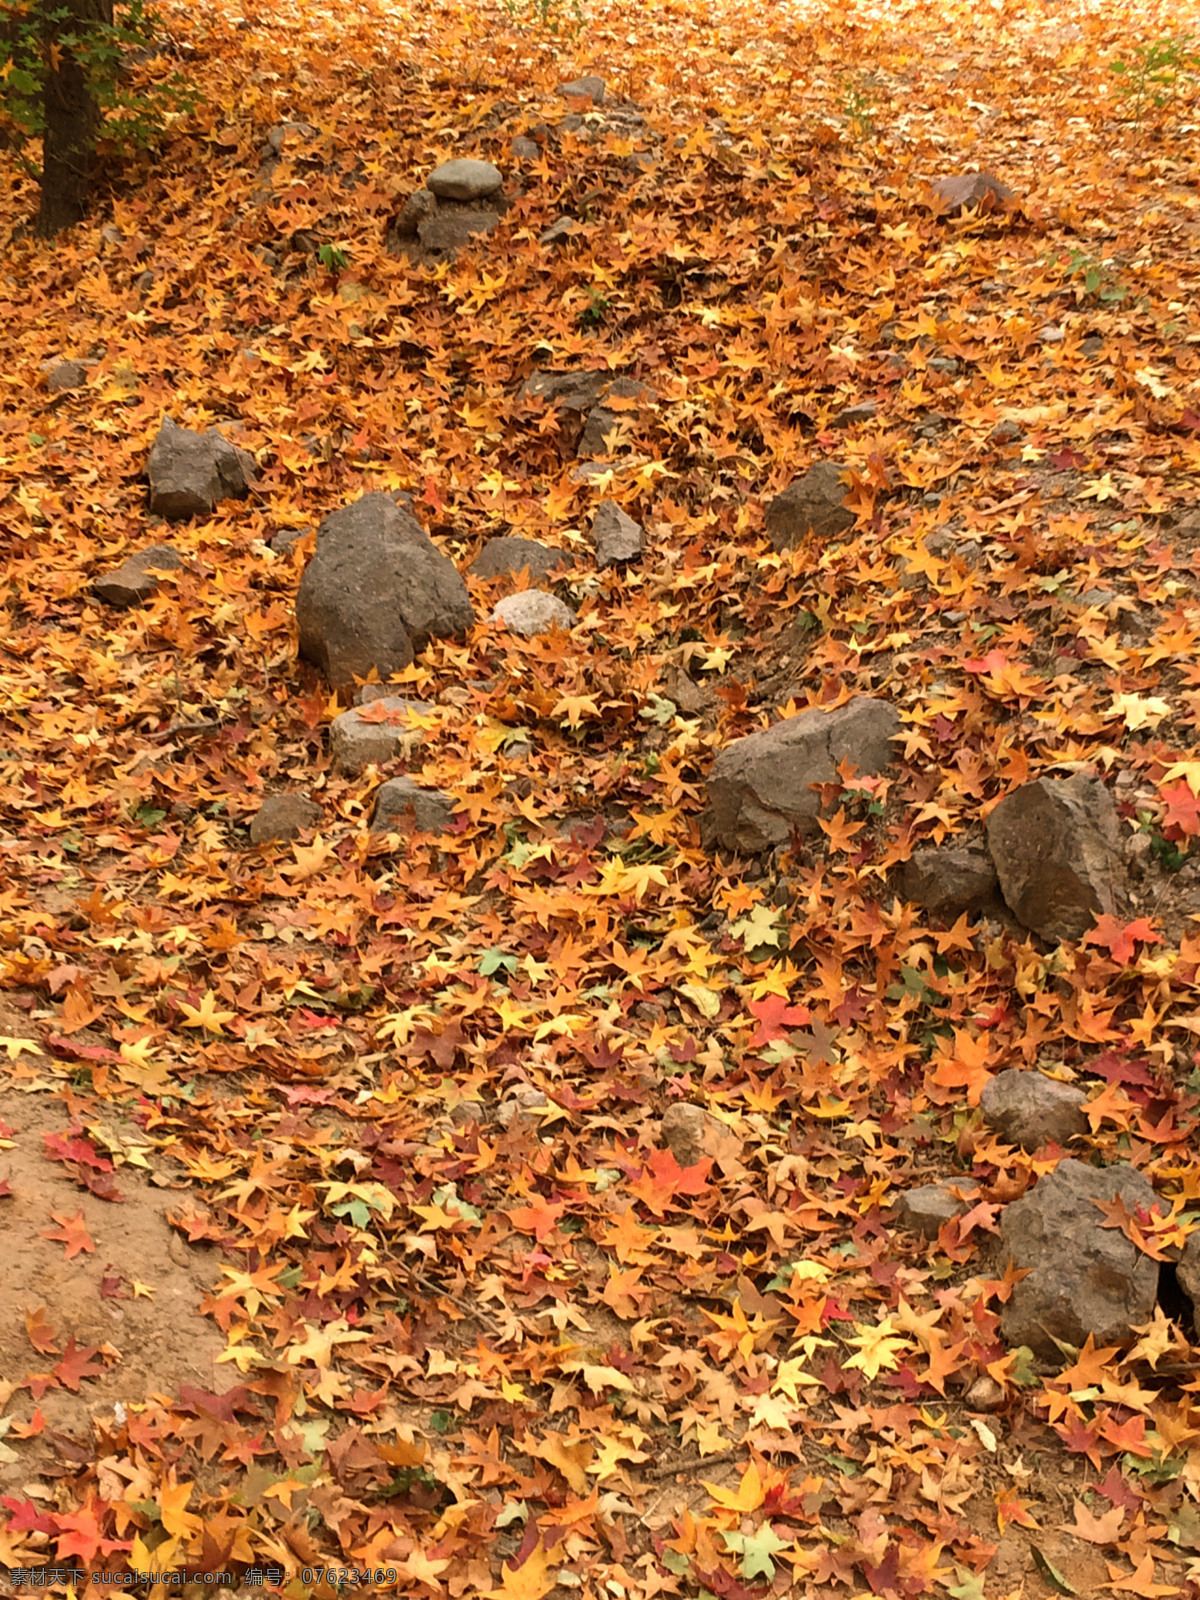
341 1233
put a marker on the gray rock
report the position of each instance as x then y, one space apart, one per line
1029 1110
134 579
813 504
589 88
191 472
375 732
1006 432
853 415
451 231
566 391
303 132
926 1209
760 787
1187 1273
948 880
375 592
286 538
533 611
509 554
283 816
525 149
971 189
1057 850
402 806
558 233
617 537
418 208
64 375
464 180
523 1102
1083 1278
944 364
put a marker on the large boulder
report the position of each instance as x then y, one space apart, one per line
760 787
1082 1278
1056 845
375 592
191 472
813 504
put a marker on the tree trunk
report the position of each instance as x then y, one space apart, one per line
72 116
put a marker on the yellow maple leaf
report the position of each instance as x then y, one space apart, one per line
748 1495
206 1015
529 1581
1139 711
876 1348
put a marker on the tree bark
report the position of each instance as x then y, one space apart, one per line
72 120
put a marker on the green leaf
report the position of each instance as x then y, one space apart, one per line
1050 1572
759 928
968 1587
756 1550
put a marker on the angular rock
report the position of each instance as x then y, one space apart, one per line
464 180
690 1133
283 816
566 391
1029 1109
525 1102
191 472
525 149
286 538
134 579
1057 850
588 88
64 375
948 880
418 208
533 611
813 504
1083 1278
926 1208
559 232
402 806
375 733
1187 1273
616 536
604 418
375 592
760 786
508 554
451 231
971 189
853 415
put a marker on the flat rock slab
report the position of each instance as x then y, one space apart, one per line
760 787
464 180
511 555
403 806
1083 1278
588 88
1031 1110
134 579
980 189
284 816
533 611
375 733
1057 850
813 505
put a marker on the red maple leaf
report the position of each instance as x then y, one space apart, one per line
1118 939
77 1364
775 1017
539 1218
994 661
70 1147
1183 808
663 1178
